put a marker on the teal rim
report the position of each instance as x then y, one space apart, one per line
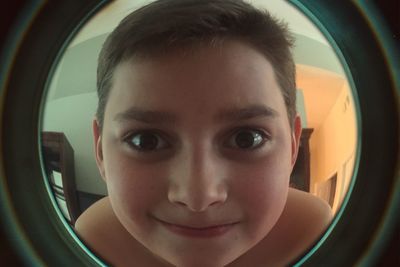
27 251
299 5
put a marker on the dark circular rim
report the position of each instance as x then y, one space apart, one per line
357 236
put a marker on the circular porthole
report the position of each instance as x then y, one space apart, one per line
364 222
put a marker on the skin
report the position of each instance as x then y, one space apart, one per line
193 107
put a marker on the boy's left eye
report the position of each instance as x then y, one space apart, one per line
246 139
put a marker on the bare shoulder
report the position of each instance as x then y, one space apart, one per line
95 220
96 211
304 218
100 230
308 208
103 233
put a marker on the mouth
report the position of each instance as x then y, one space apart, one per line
198 231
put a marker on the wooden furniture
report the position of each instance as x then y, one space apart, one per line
300 178
58 157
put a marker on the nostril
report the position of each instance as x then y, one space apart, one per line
197 200
179 203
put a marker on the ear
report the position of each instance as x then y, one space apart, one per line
296 134
98 149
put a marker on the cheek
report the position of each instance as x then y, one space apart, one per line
134 188
262 187
262 190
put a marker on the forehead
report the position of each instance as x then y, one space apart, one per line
232 73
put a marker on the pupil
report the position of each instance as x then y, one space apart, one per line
145 141
245 139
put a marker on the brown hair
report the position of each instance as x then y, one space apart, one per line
164 25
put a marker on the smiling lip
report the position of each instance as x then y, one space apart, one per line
199 232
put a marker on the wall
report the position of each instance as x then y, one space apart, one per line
333 147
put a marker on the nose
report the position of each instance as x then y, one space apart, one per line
197 181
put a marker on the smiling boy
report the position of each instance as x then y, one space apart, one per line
196 136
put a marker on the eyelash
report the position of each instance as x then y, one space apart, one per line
163 142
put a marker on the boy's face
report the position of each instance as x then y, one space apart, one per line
197 151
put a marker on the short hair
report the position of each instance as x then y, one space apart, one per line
164 25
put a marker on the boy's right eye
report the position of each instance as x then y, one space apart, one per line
146 141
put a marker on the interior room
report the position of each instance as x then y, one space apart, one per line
325 103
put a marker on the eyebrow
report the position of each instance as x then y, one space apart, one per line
145 116
234 114
251 112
